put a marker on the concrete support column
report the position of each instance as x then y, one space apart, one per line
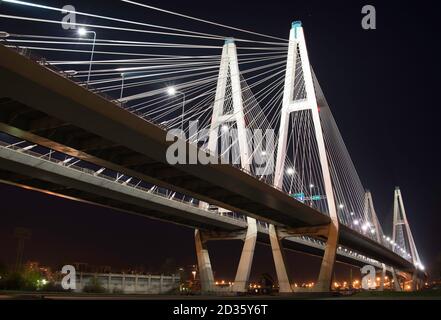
205 271
397 286
415 284
324 281
246 259
383 275
279 261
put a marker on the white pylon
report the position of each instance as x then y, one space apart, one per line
229 69
401 234
370 216
297 49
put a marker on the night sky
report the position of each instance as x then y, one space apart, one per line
381 86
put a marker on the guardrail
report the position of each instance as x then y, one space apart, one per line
155 191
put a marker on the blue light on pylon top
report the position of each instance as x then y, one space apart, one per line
229 40
297 24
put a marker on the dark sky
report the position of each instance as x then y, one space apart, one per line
380 84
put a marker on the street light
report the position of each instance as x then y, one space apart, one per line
122 84
290 171
171 91
82 32
4 35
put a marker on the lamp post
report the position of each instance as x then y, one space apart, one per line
122 84
82 33
171 91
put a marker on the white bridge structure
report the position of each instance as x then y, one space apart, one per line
258 105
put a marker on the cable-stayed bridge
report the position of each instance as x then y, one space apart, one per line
98 130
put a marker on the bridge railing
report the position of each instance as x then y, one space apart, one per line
155 191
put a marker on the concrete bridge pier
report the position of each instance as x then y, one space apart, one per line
204 264
249 236
279 260
327 268
383 275
417 282
397 286
246 259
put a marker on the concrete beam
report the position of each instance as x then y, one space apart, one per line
318 231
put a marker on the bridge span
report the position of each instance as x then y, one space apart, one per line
44 107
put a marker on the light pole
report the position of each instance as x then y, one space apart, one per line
122 84
172 92
83 32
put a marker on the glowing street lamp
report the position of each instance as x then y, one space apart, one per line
172 91
83 32
290 171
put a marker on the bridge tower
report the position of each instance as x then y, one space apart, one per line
371 216
229 83
297 51
402 235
